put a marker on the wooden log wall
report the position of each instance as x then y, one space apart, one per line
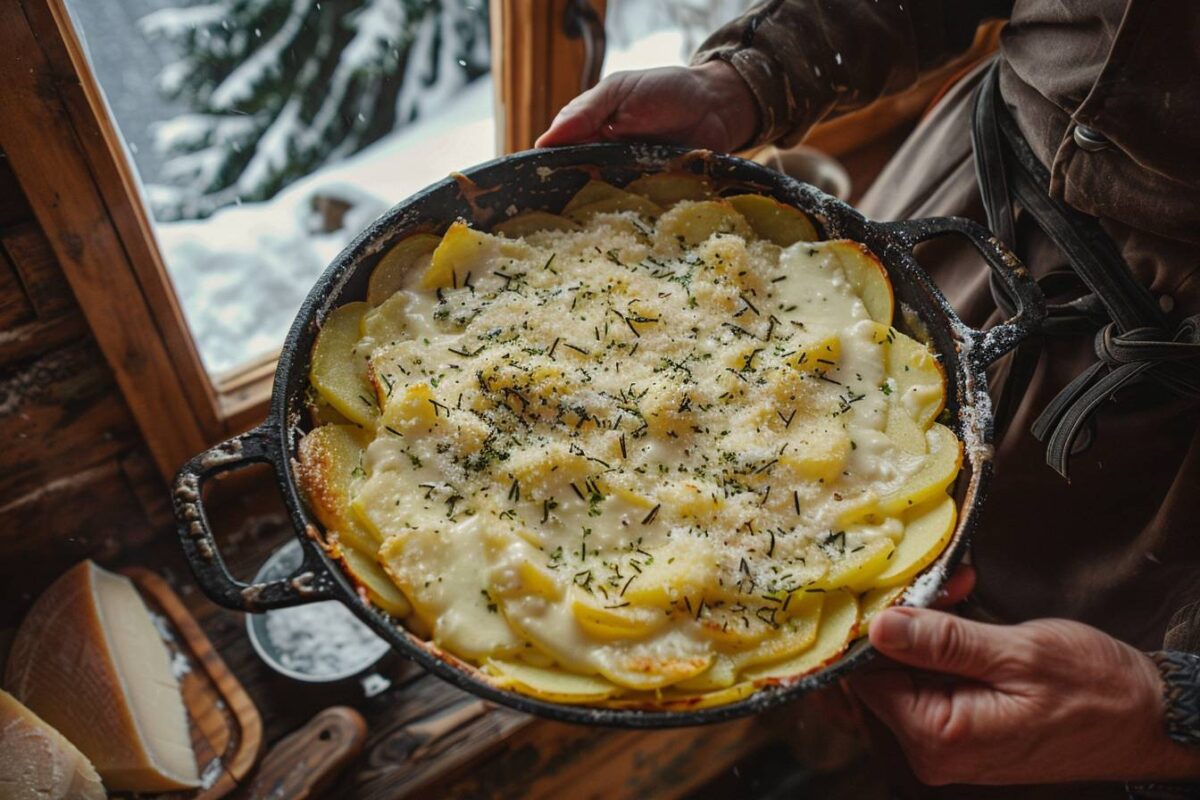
76 479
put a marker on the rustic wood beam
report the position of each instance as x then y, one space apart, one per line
46 145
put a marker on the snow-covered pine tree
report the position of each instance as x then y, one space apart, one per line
280 87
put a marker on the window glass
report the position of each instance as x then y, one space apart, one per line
662 33
267 133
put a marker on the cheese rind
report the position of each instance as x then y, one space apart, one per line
38 762
88 660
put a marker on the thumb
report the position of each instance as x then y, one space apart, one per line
583 119
940 642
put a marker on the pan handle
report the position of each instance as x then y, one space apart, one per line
1027 296
309 583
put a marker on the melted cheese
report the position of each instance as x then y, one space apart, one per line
630 457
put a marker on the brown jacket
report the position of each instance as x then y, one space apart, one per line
1119 545
1127 68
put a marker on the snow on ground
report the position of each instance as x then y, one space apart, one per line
242 273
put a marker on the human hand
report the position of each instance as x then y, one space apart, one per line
1043 702
707 106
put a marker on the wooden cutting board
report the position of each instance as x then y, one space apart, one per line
226 728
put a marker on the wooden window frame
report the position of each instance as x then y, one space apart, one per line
72 163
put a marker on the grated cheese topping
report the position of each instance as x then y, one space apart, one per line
634 451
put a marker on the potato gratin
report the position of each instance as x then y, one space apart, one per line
656 451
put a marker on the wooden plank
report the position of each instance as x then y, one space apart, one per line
87 514
33 259
14 208
428 732
34 338
39 137
553 760
148 486
15 308
59 413
120 188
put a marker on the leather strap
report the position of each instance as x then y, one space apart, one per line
1133 342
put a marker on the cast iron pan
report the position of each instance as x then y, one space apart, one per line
546 179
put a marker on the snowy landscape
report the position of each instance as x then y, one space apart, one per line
241 267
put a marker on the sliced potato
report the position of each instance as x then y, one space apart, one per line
646 669
330 461
819 354
330 473
384 501
920 379
688 502
390 273
867 275
857 568
433 576
690 224
936 473
412 410
672 700
324 414
530 222
863 509
613 205
839 621
818 450
387 321
874 601
682 572
925 536
337 372
733 630
612 623
463 250
360 538
530 579
630 497
378 586
668 188
638 665
594 191
774 221
795 635
904 431
555 685
720 675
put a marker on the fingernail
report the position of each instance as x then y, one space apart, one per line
893 631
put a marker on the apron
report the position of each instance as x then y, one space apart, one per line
1112 378
1131 336
1101 396
1114 546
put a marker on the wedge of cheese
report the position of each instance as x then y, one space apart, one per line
88 660
37 762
